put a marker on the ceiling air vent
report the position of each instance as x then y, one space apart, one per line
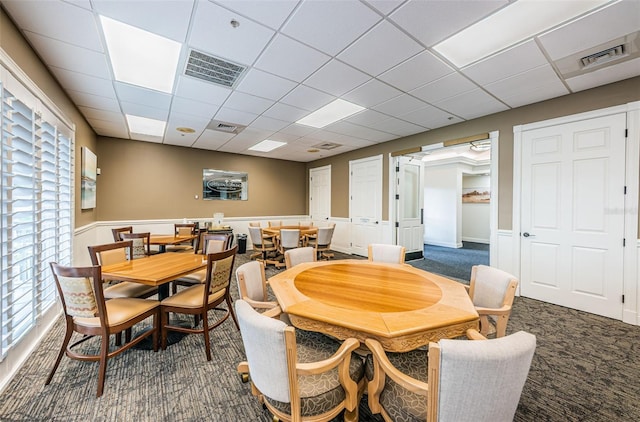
327 145
604 56
213 69
227 127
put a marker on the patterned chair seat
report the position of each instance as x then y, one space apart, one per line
401 404
319 393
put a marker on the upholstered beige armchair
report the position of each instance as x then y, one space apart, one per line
380 252
293 257
492 292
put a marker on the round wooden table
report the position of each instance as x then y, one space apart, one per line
400 306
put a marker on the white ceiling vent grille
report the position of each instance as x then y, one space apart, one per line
226 127
604 56
327 145
213 69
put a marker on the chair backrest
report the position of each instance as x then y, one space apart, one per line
489 287
117 231
80 291
254 224
277 223
220 269
184 229
264 346
307 223
256 236
215 242
141 243
111 253
289 238
293 257
380 252
325 234
252 282
478 380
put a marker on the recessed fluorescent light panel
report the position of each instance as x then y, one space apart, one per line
514 23
267 145
332 112
145 126
139 57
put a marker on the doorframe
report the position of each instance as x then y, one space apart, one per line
494 138
630 277
311 173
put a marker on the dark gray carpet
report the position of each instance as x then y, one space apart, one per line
586 368
453 262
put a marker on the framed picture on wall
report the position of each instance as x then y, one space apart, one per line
476 195
224 185
88 177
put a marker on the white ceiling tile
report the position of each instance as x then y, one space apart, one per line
400 105
267 123
110 129
371 93
344 20
431 117
212 139
385 6
357 131
84 83
104 115
198 90
417 71
235 116
286 112
212 33
398 127
391 47
70 24
176 120
170 18
85 4
283 137
138 95
193 108
290 59
336 78
616 20
178 141
272 13
94 101
245 139
444 18
528 87
604 76
366 117
146 138
70 57
472 104
307 98
298 130
515 60
246 102
144 111
265 85
449 86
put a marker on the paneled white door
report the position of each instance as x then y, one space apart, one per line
320 193
572 220
409 203
365 203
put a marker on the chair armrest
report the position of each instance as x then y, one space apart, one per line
474 335
344 352
381 362
256 304
243 368
273 312
505 310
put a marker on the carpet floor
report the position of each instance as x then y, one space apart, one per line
586 368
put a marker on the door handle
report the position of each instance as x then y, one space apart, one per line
526 234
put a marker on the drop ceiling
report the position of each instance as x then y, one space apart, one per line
302 55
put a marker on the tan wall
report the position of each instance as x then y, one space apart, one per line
606 96
142 180
12 42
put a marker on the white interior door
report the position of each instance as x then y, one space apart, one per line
409 206
320 193
572 230
365 202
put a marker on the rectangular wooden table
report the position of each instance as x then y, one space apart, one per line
155 270
162 240
400 306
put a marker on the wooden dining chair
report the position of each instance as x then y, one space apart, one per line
252 285
264 246
381 252
308 378
321 242
199 299
119 230
461 381
184 229
293 257
274 223
86 312
492 292
113 253
141 243
211 243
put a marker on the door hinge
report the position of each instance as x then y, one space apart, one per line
625 190
626 133
397 196
397 169
624 242
397 224
622 298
